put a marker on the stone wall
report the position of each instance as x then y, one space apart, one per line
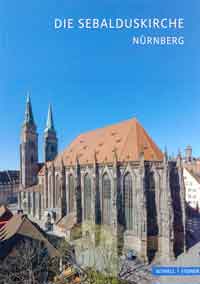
157 231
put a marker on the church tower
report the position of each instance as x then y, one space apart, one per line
50 139
29 148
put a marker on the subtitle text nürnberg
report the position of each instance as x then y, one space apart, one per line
145 24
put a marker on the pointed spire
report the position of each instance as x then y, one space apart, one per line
50 124
62 162
29 113
179 153
179 158
165 155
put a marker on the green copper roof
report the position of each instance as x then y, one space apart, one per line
29 113
50 124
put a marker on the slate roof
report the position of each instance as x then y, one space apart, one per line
9 177
126 140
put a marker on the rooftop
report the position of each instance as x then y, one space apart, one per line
125 141
9 177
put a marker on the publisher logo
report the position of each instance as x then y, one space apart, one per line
176 271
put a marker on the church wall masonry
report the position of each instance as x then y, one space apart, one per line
142 201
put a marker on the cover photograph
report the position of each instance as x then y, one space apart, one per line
99 148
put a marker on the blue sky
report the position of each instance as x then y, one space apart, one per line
95 78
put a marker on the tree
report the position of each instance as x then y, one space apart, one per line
27 264
97 251
68 258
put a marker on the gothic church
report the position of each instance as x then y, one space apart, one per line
114 176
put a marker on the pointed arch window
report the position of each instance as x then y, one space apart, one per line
51 193
58 189
71 193
152 222
87 197
54 192
106 200
34 203
47 194
128 201
29 203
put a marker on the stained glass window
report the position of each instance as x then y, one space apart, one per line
71 194
128 202
106 200
87 197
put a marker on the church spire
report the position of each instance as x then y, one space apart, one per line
50 123
29 119
50 139
28 148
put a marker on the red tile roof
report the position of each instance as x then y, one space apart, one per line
127 139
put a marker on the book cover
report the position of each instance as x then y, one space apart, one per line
99 167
